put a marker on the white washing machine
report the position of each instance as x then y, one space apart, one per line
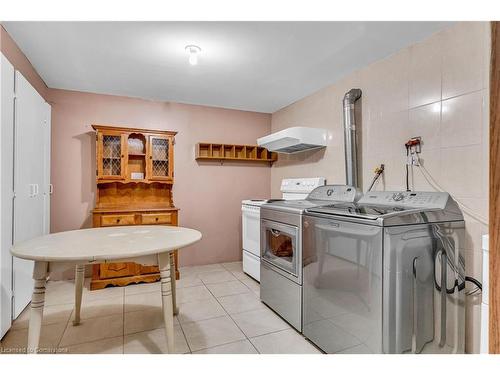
291 189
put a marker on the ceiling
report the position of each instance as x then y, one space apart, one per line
254 66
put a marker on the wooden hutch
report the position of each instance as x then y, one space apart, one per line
135 174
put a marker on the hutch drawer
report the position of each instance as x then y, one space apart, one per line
112 270
163 218
114 220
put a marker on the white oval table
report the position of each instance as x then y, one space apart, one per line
144 244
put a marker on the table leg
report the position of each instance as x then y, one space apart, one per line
166 293
79 278
37 303
174 295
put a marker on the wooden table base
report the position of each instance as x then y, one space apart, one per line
40 273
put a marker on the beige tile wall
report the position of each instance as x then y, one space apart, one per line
436 89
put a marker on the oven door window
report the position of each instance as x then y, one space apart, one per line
280 245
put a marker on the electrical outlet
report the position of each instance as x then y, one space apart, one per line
413 147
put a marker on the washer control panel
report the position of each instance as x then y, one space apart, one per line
342 193
417 199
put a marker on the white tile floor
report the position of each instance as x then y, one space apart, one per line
220 312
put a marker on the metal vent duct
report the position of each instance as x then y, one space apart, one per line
351 147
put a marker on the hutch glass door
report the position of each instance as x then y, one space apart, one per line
160 158
111 155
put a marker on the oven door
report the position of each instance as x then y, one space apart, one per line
280 247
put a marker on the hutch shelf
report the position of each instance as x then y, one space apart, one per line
135 174
241 153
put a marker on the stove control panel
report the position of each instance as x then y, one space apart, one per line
417 199
342 193
301 185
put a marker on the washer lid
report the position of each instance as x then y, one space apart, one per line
321 196
396 208
356 210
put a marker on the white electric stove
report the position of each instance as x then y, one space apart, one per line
291 189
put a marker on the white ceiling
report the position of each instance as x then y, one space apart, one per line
255 66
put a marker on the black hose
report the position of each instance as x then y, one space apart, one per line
456 284
474 281
459 286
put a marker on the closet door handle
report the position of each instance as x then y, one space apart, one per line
34 189
51 189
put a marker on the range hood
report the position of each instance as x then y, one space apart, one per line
294 139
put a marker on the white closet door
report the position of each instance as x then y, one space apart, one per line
6 190
47 186
28 183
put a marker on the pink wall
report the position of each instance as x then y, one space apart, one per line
17 58
208 195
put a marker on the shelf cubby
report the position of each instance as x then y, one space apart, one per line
262 153
229 151
204 149
251 152
225 152
217 151
240 152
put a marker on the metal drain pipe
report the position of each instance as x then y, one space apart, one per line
351 148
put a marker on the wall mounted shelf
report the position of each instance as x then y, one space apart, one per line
241 153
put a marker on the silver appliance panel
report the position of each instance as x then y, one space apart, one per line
388 216
397 208
321 196
422 316
337 193
281 249
282 295
280 216
414 199
369 289
281 274
295 206
342 285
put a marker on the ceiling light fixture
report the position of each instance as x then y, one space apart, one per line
193 52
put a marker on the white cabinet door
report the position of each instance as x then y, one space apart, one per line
6 190
251 229
30 112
